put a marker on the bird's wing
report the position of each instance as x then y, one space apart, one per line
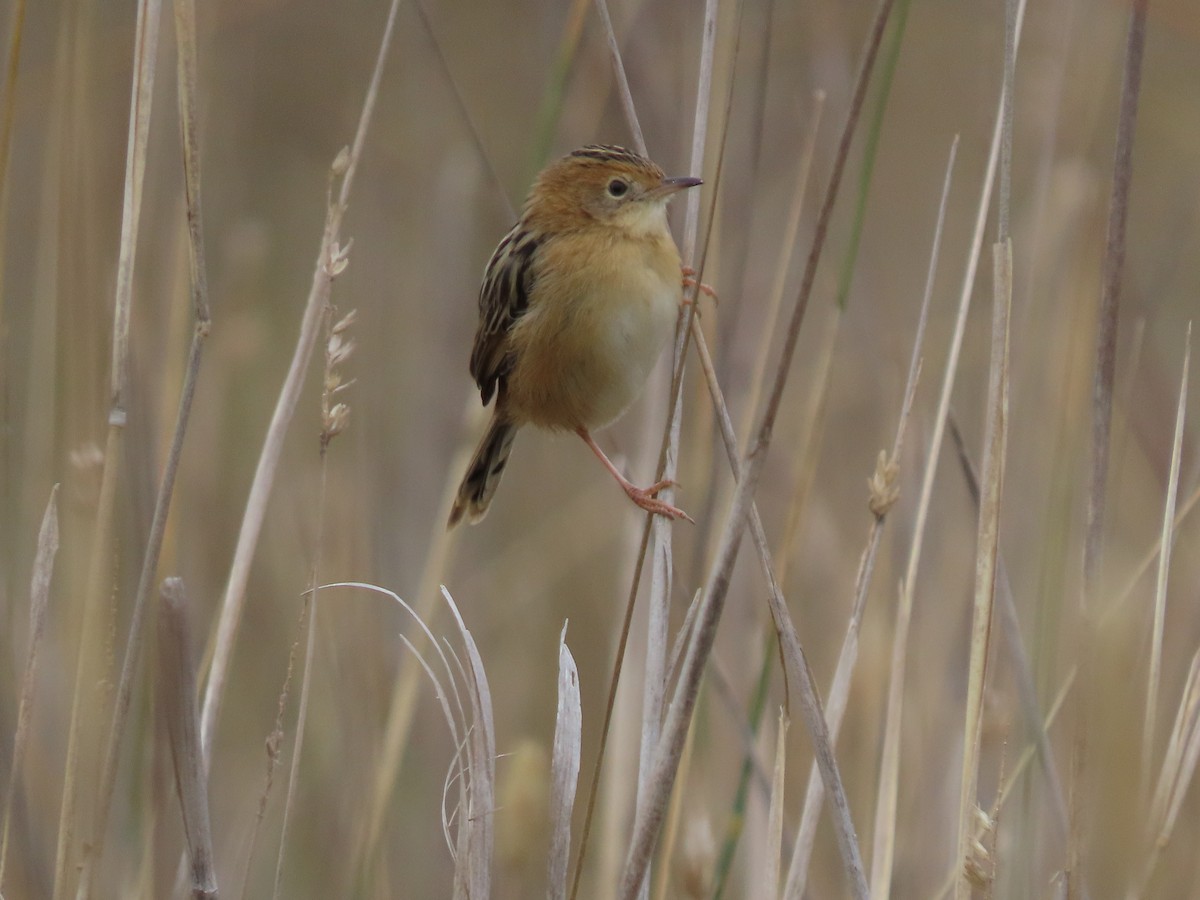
503 299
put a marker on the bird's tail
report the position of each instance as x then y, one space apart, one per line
483 474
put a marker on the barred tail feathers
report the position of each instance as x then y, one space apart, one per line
483 474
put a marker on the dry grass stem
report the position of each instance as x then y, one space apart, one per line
796 668
618 67
1007 783
564 771
721 682
995 451
883 492
39 603
484 157
177 694
804 472
1106 317
404 695
186 42
649 815
663 555
334 417
272 746
770 878
477 834
473 768
330 257
1154 676
889 763
1103 376
779 279
696 871
8 107
1147 560
1015 643
88 663
1179 765
987 549
662 564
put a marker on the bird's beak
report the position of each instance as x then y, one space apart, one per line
670 186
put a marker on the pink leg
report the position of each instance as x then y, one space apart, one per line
643 497
689 280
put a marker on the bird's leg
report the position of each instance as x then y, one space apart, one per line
689 280
643 497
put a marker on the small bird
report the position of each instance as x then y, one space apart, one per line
576 305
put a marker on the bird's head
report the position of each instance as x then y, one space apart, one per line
604 184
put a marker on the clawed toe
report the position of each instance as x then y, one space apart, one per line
643 497
654 489
646 499
689 280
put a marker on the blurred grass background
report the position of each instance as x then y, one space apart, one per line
281 85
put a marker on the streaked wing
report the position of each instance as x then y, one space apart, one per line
503 299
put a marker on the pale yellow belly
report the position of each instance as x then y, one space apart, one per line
583 361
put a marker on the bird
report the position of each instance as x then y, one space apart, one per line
576 304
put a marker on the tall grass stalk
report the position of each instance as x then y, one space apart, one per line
618 67
649 814
770 879
330 252
1154 674
894 717
403 702
1103 376
1147 559
1022 670
806 462
662 561
995 451
39 603
443 542
795 666
883 494
564 771
8 108
1007 783
987 550
872 134
662 554
272 747
791 230
1178 769
472 769
662 877
482 154
741 794
1106 334
554 92
185 29
177 696
334 415
88 664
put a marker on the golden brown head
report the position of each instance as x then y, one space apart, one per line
602 184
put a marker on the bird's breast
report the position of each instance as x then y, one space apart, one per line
596 326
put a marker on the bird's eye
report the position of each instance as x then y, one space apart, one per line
617 188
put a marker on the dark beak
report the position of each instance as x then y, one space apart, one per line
671 185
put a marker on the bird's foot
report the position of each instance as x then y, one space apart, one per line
689 281
648 500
